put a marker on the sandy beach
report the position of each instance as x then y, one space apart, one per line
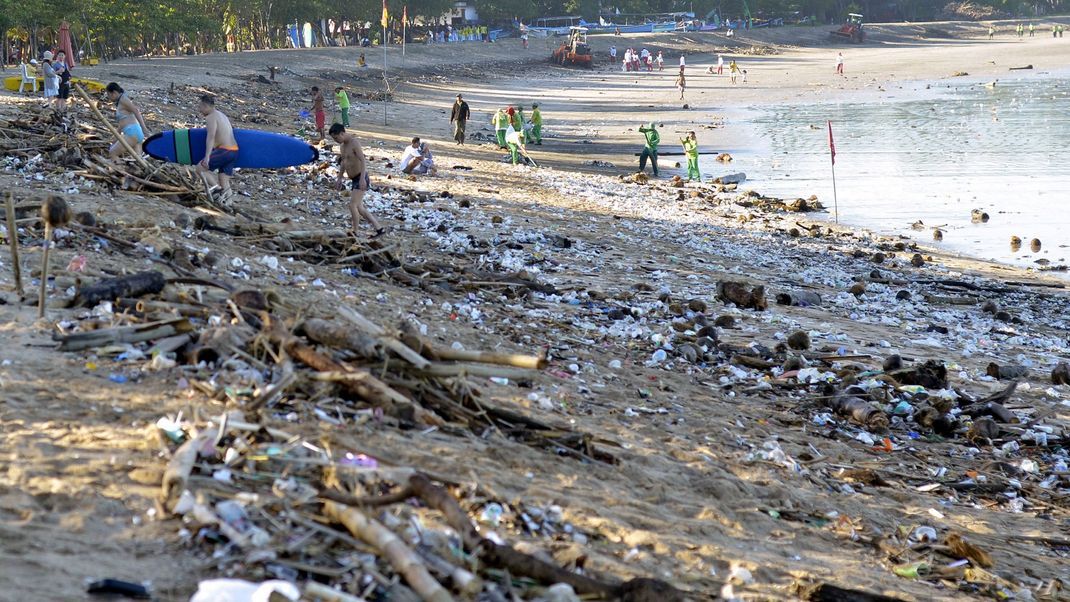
733 477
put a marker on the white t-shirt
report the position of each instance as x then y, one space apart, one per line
512 136
839 59
410 154
681 60
720 61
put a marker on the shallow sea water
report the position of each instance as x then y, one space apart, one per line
933 154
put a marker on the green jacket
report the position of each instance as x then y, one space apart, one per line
536 117
518 122
690 147
501 120
653 138
342 98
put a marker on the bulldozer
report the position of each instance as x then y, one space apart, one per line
852 29
575 51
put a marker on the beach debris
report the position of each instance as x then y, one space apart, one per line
1034 245
1016 243
733 178
238 590
1024 68
111 289
1060 374
799 340
743 295
1006 371
116 587
938 234
724 158
56 214
978 216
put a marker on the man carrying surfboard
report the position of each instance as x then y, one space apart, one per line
351 163
220 154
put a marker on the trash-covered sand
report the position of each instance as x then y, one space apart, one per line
537 377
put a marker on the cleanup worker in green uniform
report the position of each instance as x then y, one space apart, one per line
342 99
650 150
536 124
690 143
501 124
519 121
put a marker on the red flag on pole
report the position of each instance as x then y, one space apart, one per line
832 145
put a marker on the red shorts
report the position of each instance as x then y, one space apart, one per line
321 119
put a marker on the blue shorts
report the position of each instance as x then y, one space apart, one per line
134 131
222 160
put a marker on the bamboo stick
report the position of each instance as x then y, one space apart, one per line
13 240
391 343
482 370
44 270
403 559
531 362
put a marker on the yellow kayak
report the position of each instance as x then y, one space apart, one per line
91 85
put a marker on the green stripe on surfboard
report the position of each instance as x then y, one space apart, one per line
182 151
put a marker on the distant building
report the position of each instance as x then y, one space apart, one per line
463 12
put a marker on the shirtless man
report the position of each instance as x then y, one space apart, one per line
352 164
220 153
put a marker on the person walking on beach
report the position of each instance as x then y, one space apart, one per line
991 32
720 64
536 124
352 164
64 72
317 109
660 61
1020 30
1032 29
613 54
48 72
839 63
681 83
501 123
131 123
459 118
342 98
733 70
220 152
683 63
690 143
650 149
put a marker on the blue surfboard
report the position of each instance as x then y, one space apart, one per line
256 149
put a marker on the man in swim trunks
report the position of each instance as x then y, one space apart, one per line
351 163
220 154
131 123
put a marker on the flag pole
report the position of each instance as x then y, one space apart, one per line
832 158
386 83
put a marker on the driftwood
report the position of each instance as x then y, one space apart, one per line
374 330
123 334
520 564
339 336
403 559
862 412
134 285
357 381
742 295
826 592
180 466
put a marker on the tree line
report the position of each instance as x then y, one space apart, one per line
112 28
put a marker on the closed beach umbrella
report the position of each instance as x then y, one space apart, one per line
65 42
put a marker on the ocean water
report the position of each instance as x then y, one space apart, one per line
932 154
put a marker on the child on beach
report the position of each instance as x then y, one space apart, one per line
317 109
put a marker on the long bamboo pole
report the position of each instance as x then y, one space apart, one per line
13 240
